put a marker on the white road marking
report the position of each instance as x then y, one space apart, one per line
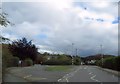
92 78
86 67
113 76
67 80
59 80
27 76
69 75
90 73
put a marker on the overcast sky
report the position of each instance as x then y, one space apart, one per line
54 25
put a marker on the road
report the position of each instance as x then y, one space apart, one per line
89 74
76 74
36 73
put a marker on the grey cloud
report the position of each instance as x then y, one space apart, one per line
61 27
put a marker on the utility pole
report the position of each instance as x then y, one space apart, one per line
76 51
101 46
72 54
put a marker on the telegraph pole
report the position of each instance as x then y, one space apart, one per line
72 54
101 46
76 51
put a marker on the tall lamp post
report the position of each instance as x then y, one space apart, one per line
72 54
76 51
101 46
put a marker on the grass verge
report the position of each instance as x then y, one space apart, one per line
58 68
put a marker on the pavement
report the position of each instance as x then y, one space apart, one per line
110 71
76 74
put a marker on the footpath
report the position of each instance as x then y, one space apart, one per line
117 73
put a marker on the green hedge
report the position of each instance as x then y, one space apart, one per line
77 61
10 61
62 60
110 63
28 62
15 61
57 62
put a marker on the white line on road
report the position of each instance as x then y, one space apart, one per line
65 76
69 75
86 67
59 80
92 78
113 76
67 80
90 73
27 76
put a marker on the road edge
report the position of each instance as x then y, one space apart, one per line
117 73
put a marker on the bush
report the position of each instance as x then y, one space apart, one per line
57 62
99 63
117 63
10 61
28 62
14 61
77 61
110 63
51 62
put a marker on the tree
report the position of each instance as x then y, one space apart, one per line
3 20
3 39
77 60
45 54
23 49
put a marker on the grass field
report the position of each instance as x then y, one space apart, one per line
58 68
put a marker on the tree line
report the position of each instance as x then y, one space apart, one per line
27 52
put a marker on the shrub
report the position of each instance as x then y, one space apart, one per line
110 63
14 61
10 61
28 62
57 62
51 62
117 63
77 61
99 63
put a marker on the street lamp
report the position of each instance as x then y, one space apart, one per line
76 51
72 54
101 46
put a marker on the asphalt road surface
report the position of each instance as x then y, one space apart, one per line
89 74
76 74
35 73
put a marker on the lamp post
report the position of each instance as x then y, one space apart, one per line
101 46
76 51
72 54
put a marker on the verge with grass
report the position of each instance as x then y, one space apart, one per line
58 68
